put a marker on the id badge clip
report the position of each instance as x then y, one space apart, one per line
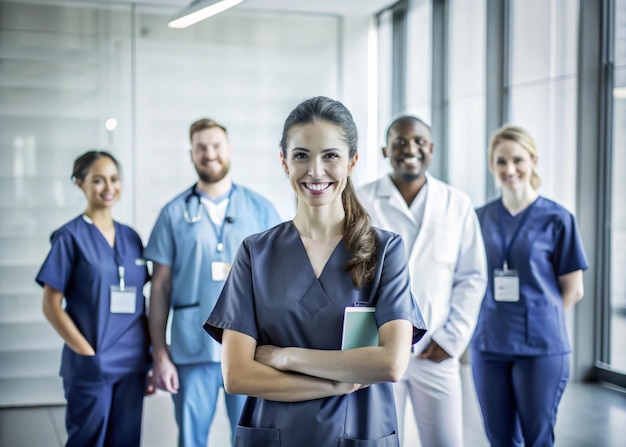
123 299
506 284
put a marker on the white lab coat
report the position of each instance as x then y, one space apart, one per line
448 280
446 260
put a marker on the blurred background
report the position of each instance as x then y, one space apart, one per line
108 74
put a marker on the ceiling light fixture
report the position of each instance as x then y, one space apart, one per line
200 10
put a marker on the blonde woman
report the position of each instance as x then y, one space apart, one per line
520 349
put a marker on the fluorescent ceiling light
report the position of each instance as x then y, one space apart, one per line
200 10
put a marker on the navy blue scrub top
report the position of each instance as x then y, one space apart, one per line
83 266
273 295
547 246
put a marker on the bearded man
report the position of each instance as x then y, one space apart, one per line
192 246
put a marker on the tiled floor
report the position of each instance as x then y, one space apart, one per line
590 416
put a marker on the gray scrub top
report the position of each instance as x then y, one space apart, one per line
273 295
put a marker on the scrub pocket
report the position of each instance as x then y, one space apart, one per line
84 368
542 326
187 333
387 441
257 437
314 299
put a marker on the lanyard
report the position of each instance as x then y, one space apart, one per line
120 271
506 249
219 232
116 255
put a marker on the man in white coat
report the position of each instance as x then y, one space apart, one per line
448 276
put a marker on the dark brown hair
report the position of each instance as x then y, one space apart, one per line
359 237
203 124
82 164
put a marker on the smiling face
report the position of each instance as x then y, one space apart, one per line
409 150
512 165
102 184
318 163
210 154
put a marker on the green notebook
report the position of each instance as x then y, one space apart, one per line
359 328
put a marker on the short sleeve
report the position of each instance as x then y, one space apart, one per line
160 248
235 309
569 254
394 298
57 268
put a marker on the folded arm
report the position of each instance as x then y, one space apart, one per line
245 375
386 362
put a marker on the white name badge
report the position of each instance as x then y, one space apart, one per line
219 270
123 302
505 285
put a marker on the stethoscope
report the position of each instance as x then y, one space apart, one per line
198 217
186 215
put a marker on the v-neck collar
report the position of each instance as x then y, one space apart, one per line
116 239
306 255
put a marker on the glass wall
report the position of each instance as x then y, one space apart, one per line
404 65
63 73
417 97
467 152
245 70
68 69
617 334
542 88
385 44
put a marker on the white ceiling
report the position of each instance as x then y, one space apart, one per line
340 7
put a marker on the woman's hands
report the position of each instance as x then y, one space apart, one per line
386 362
278 358
254 371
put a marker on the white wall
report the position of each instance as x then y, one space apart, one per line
65 70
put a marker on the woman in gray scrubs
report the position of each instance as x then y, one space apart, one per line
280 314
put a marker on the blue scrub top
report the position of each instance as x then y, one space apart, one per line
546 247
83 266
273 295
189 249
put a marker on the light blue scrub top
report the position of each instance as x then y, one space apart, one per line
83 266
547 246
189 249
273 295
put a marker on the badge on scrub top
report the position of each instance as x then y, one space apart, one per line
123 299
219 270
505 285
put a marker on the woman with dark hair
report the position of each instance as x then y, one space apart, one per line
97 265
280 314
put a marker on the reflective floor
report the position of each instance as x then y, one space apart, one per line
590 415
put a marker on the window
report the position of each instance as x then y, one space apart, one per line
617 287
467 148
542 88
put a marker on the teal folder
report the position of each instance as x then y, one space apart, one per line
359 328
